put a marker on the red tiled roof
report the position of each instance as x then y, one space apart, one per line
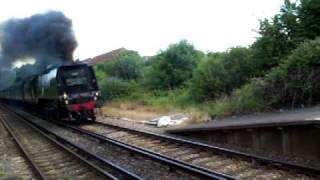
105 57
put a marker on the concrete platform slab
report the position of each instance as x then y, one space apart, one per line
305 116
291 134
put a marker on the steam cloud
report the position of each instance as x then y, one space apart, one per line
47 37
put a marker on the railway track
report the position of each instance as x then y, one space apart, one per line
198 159
206 157
12 162
53 159
176 169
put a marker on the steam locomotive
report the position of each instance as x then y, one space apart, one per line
67 92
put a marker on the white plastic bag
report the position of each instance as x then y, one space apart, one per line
164 121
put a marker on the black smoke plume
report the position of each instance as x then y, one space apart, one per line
47 37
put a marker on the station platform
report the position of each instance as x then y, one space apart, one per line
304 116
293 134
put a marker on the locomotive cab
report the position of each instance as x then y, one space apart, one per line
78 92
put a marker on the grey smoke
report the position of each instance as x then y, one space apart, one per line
46 37
41 36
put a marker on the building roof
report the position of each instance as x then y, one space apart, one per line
105 57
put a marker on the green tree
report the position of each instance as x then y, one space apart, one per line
309 16
290 25
296 80
126 66
100 73
173 66
220 73
112 88
208 79
278 37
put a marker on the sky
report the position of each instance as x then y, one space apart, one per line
148 26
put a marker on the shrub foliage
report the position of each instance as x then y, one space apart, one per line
280 69
220 73
172 67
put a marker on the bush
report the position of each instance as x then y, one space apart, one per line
172 67
126 66
208 79
296 80
113 88
177 97
288 69
220 73
100 74
249 98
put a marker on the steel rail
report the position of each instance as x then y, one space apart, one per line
123 173
173 163
230 152
187 167
26 154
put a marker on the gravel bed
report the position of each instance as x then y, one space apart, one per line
140 165
13 165
185 153
132 124
137 164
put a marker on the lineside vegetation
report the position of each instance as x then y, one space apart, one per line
281 69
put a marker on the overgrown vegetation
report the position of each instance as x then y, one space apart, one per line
172 67
280 70
220 73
